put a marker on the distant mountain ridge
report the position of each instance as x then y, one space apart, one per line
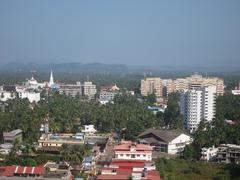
66 67
77 67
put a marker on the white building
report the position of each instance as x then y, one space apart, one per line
168 141
198 104
236 92
34 84
89 129
208 153
30 95
89 89
108 93
31 83
5 95
131 151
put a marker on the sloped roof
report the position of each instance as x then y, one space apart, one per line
166 135
11 170
12 133
138 147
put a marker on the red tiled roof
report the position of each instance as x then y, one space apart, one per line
125 168
138 147
122 147
112 177
153 178
128 163
28 170
107 168
39 170
59 83
153 173
20 170
134 152
124 171
11 170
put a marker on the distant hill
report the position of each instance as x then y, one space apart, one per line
67 67
96 68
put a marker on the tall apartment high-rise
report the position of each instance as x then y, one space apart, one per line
89 89
152 85
198 104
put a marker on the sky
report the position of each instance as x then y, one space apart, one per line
133 32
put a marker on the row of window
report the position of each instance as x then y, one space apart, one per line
133 155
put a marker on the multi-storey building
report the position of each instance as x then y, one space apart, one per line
9 137
152 85
208 154
31 95
162 87
168 86
128 150
228 153
71 89
89 89
107 93
198 104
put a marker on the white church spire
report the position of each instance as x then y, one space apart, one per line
51 82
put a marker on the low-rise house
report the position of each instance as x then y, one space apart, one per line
156 109
228 153
88 164
125 169
9 137
5 148
132 151
236 91
79 136
61 170
53 142
208 154
19 171
89 129
168 141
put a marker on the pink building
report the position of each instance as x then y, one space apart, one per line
128 150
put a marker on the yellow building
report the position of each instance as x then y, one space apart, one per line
162 87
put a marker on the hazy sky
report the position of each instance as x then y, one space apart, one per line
141 32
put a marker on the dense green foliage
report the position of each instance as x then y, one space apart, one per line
75 153
174 169
172 116
67 114
151 98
